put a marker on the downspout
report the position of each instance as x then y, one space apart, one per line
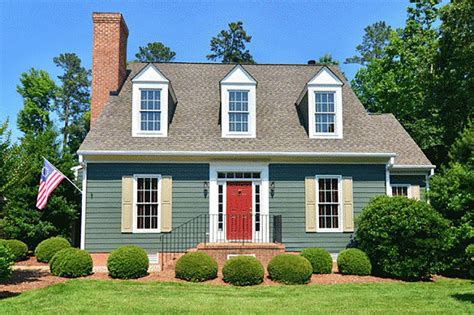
388 186
427 179
83 203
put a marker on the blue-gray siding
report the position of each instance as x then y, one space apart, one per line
289 201
412 180
103 214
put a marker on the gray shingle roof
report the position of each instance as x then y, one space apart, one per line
195 125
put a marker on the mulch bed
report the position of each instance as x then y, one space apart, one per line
29 278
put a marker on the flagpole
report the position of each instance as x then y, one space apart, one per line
63 174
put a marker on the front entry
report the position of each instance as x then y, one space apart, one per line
239 211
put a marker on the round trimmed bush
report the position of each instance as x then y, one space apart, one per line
6 262
18 248
290 269
403 238
71 263
128 262
243 270
196 267
47 248
353 261
320 259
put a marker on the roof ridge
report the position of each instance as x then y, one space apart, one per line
232 64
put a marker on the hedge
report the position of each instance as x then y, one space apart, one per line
320 260
243 271
18 248
128 262
47 248
71 263
353 261
196 267
290 269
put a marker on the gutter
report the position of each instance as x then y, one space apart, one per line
239 154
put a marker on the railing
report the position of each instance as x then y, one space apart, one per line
219 228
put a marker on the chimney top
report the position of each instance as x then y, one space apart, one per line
107 17
311 62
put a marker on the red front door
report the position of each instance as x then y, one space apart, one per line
239 211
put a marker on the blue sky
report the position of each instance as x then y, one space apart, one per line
33 32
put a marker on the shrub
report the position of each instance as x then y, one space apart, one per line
18 248
290 269
71 263
47 248
403 238
6 262
353 261
319 258
243 270
196 267
128 262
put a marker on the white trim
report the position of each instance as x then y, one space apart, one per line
134 203
408 186
209 161
239 153
414 167
83 204
339 211
214 168
136 101
252 111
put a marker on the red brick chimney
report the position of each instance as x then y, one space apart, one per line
109 58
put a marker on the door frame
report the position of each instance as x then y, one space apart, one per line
216 235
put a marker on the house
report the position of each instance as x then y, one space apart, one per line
238 157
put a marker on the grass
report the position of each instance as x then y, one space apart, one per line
97 297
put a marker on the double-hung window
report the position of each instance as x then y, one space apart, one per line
147 204
150 110
238 111
325 114
328 203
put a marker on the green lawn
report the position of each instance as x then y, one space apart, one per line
98 297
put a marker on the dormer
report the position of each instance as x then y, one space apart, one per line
152 100
321 103
238 101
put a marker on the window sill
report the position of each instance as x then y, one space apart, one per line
238 135
329 231
325 136
149 134
137 231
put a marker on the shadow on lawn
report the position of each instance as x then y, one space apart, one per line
8 294
25 276
464 297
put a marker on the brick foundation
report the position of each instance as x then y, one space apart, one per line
264 252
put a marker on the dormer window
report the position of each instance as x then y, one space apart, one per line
324 105
325 114
151 100
238 90
150 110
238 111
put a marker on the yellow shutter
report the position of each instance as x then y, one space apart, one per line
348 205
127 204
166 203
310 203
415 192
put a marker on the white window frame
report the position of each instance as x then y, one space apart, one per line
325 81
238 112
238 80
140 110
150 78
340 197
325 113
135 209
408 186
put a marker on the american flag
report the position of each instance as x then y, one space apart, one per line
50 179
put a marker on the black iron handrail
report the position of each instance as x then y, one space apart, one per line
219 228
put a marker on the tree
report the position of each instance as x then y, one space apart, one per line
327 60
229 45
73 100
155 52
453 91
38 91
400 82
451 193
373 44
20 218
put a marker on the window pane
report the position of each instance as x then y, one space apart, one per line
328 203
324 109
238 111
